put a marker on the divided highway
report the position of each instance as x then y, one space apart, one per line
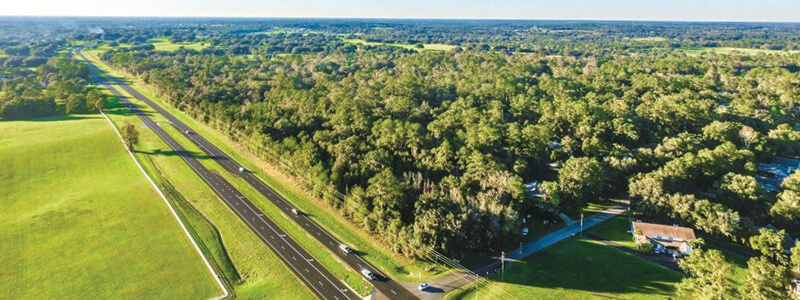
324 284
383 284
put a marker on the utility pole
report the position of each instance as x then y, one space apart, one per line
502 265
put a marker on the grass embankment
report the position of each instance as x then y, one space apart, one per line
426 47
396 266
580 269
79 220
253 270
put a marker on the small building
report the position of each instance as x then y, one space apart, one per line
664 237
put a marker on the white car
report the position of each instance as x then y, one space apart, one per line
295 212
241 170
423 286
368 274
525 231
345 249
187 132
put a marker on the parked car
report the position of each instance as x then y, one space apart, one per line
368 274
345 249
423 286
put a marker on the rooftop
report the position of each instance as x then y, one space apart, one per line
665 233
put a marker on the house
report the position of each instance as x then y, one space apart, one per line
664 237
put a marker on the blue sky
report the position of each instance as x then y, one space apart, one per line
686 10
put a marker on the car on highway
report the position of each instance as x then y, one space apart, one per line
241 170
345 249
423 286
368 274
295 211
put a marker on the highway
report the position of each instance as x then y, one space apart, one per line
324 284
383 284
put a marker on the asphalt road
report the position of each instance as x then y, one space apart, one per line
324 284
383 284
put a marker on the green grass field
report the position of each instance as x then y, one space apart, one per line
616 230
733 50
396 266
250 267
427 47
652 39
80 220
163 44
581 269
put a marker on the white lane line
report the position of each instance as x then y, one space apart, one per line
295 249
282 236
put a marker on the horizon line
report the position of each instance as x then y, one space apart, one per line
401 18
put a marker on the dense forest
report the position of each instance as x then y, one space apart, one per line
435 147
37 78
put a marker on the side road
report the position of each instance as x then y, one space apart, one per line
456 280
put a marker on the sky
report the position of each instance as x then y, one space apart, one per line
669 10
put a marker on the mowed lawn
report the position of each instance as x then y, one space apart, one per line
163 44
581 269
78 220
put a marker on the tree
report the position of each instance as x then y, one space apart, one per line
764 280
795 259
786 211
580 181
748 135
769 243
388 197
73 104
709 275
130 135
740 192
96 100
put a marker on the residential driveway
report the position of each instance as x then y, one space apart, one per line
455 280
